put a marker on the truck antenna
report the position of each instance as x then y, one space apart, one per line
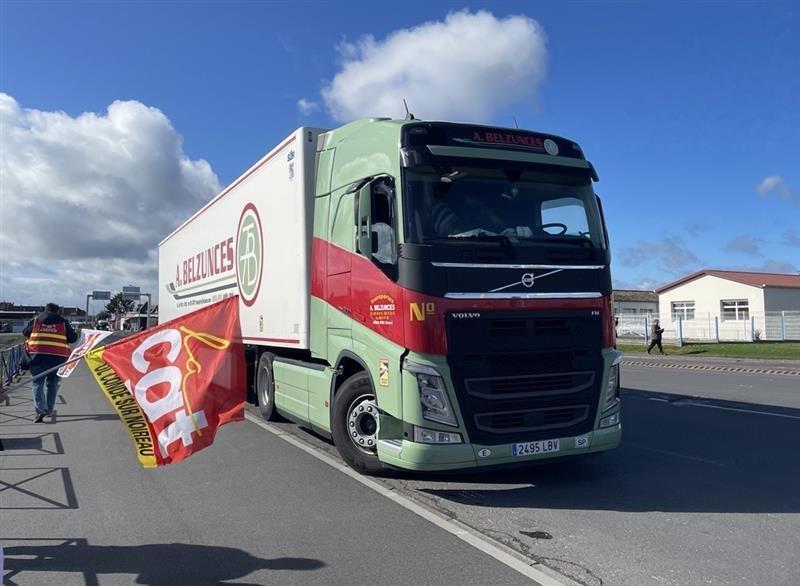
409 115
515 122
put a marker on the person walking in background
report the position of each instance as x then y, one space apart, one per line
655 337
49 336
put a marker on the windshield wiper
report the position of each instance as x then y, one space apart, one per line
505 241
486 237
560 240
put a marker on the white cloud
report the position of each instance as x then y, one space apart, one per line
776 184
640 284
307 107
85 200
467 67
671 253
791 237
746 244
771 266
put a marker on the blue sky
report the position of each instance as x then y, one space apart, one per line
684 109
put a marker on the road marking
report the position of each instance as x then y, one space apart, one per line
678 455
789 371
463 532
691 403
707 406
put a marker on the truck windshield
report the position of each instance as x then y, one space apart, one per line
501 205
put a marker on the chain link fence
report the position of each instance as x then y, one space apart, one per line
768 326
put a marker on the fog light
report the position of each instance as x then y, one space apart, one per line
610 420
423 435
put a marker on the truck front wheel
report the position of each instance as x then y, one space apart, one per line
355 424
265 388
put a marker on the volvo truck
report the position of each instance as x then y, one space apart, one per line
428 295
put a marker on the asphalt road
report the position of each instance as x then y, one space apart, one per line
763 389
76 508
704 490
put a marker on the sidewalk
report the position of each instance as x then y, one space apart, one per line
77 508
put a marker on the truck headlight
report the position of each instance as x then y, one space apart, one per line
432 393
612 387
611 396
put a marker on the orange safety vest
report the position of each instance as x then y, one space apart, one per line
49 339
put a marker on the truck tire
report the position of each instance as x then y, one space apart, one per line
265 388
355 424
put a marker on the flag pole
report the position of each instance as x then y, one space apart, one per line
40 375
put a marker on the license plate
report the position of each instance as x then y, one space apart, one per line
533 448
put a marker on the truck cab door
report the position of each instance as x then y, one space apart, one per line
341 249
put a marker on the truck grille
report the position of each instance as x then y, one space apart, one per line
532 420
526 375
538 385
537 327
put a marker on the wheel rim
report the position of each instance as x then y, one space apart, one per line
362 423
263 387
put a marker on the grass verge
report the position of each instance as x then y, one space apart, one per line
766 350
7 340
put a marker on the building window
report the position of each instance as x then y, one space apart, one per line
683 310
735 309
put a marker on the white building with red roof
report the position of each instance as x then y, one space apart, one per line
737 305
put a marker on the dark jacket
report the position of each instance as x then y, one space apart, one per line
655 332
48 360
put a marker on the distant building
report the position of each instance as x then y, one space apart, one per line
137 320
740 305
14 317
629 302
33 310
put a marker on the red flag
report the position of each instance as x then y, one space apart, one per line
175 384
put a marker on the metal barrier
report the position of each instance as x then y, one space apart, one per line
10 369
713 327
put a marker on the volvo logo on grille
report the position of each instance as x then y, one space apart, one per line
527 280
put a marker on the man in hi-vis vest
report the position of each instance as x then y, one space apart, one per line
49 336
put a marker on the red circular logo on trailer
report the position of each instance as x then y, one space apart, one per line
249 254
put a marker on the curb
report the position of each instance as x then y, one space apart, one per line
715 368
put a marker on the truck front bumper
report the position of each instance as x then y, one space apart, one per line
434 457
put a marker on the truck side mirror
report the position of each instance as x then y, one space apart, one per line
364 227
603 222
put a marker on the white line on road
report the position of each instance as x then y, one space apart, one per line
741 410
678 455
683 403
455 528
